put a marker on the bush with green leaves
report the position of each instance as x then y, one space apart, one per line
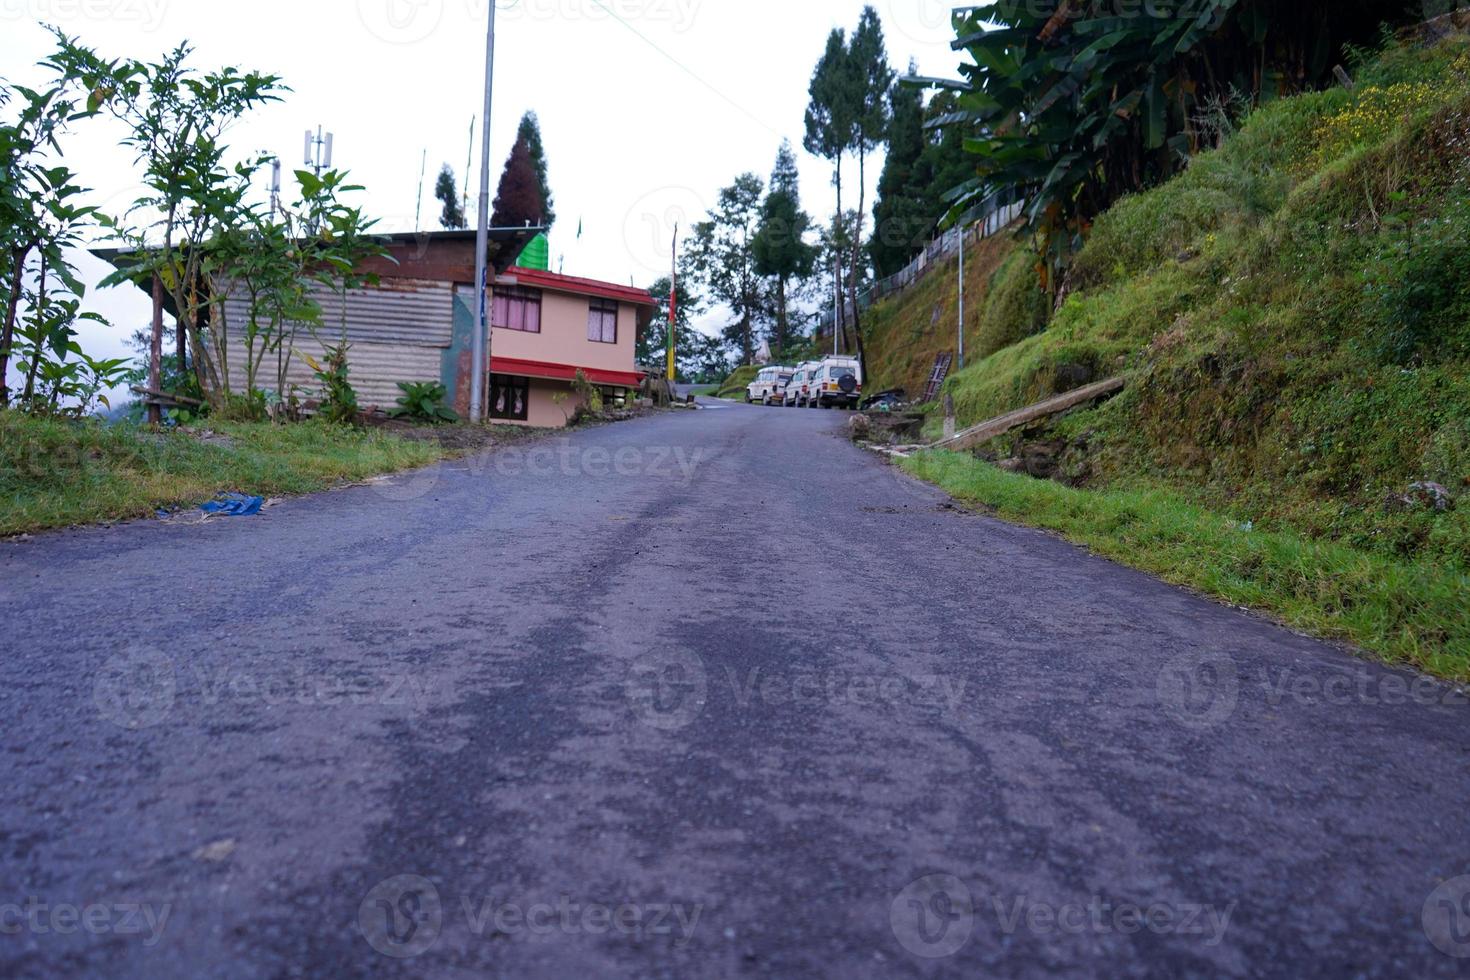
339 398
423 401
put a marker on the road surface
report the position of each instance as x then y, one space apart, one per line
705 694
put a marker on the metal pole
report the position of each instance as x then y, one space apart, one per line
480 349
836 299
673 304
962 298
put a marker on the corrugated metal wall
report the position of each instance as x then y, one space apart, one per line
398 332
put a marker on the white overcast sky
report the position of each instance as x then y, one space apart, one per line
633 142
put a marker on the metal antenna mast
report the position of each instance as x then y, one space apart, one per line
319 150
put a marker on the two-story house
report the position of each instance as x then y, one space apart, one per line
416 319
545 328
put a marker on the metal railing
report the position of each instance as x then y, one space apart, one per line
997 218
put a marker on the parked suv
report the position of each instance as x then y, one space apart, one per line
798 389
769 381
839 381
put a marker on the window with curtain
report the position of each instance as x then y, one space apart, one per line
510 398
517 309
602 321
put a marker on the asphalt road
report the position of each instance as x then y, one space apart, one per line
705 694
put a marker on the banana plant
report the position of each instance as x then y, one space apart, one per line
1069 106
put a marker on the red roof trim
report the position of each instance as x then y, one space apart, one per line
539 279
563 372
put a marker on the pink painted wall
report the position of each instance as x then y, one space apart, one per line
563 336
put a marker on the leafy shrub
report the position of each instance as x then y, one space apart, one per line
339 399
1420 287
590 394
423 401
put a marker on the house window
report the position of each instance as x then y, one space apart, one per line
602 322
510 398
517 309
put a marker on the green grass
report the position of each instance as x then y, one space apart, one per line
904 334
1292 314
1406 613
57 473
734 387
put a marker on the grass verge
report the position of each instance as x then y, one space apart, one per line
57 473
1405 613
734 387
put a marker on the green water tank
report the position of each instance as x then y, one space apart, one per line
536 254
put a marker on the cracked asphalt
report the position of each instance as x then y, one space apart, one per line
705 694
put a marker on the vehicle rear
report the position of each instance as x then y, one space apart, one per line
764 384
838 384
778 390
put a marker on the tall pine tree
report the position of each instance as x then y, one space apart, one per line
832 119
447 191
721 252
780 249
868 57
901 220
530 132
518 199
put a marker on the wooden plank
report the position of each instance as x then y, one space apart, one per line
164 397
999 426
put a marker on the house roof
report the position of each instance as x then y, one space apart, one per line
441 255
538 279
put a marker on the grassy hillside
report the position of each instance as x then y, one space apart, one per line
904 334
1293 314
734 387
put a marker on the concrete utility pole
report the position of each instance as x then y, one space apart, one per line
480 348
962 299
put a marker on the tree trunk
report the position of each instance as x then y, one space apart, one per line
181 343
857 322
837 232
40 337
781 315
7 335
155 350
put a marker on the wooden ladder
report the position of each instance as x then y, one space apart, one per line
942 364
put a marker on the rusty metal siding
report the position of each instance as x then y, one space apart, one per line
398 332
417 312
